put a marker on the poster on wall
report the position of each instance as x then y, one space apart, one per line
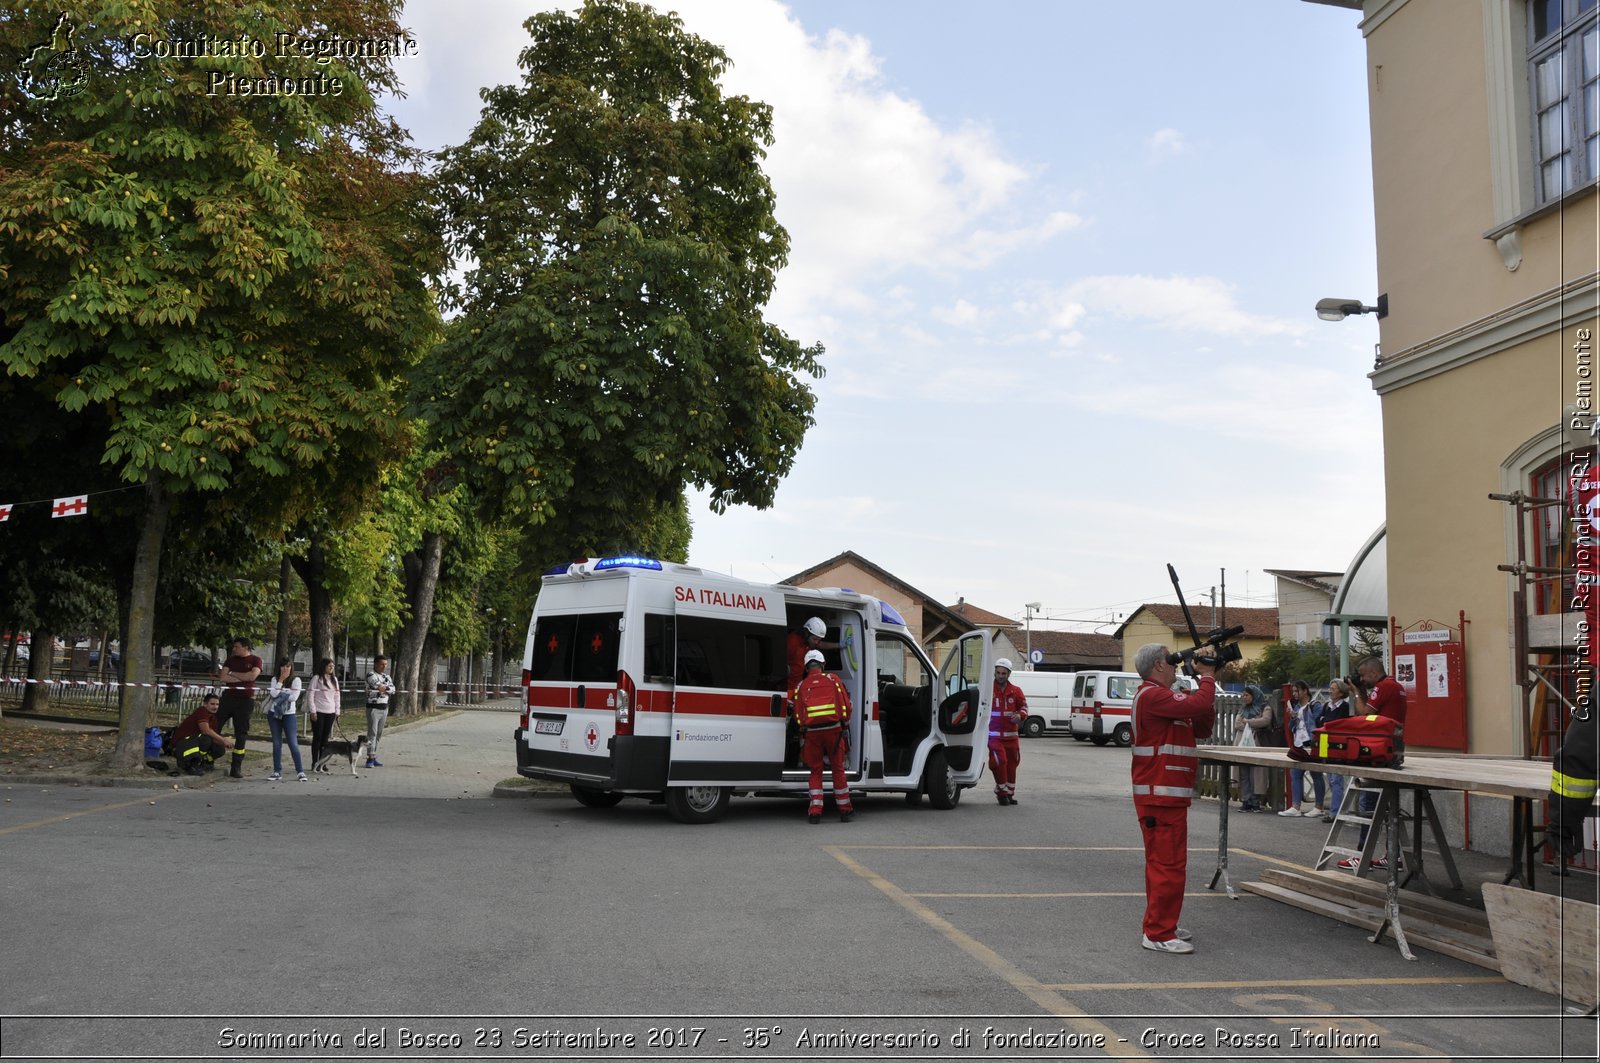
1438 675
1405 673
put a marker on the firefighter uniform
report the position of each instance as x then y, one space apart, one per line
1165 726
1010 708
1572 782
822 708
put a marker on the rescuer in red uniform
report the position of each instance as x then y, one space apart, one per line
822 708
1165 726
1010 708
809 636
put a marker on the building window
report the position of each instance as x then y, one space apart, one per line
1554 539
1564 87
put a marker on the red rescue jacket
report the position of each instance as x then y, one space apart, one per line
1165 726
1009 709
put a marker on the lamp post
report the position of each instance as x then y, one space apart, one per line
1027 622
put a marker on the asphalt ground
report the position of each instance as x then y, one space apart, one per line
252 919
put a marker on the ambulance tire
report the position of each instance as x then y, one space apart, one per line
940 782
1076 737
697 804
1123 735
589 797
1033 727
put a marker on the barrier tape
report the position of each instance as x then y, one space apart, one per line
10 680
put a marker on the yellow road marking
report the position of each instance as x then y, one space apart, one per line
86 812
1314 983
1030 987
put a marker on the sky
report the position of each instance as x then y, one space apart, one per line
1063 256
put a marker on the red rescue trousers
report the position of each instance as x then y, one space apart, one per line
1166 866
1004 756
826 744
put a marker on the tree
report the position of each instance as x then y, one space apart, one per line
1283 662
227 281
610 345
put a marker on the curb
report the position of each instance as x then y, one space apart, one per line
516 790
153 781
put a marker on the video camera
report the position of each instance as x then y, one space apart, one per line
1222 652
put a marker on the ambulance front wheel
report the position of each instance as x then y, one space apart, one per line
1033 726
940 782
697 804
589 797
1123 735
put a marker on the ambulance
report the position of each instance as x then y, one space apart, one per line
646 679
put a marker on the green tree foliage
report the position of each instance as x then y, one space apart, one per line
621 247
1283 662
218 284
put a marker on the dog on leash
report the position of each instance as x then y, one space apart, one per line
349 749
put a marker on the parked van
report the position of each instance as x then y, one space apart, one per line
1102 706
1049 697
643 678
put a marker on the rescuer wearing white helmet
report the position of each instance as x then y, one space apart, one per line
822 709
808 636
1009 709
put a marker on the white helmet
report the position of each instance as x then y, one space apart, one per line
816 627
813 656
1004 662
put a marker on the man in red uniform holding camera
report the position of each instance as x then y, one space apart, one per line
822 708
1165 726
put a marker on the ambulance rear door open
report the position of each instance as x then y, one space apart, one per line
730 648
573 654
965 693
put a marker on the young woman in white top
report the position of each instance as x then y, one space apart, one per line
282 696
322 701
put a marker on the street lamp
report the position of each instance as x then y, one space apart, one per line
1339 309
1028 610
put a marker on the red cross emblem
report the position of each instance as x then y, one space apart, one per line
591 736
554 643
597 642
70 507
5 512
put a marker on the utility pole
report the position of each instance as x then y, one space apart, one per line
1028 610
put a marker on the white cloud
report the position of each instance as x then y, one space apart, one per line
1189 304
962 315
1165 143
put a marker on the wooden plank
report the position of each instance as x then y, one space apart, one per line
1348 889
1419 932
1529 927
1503 777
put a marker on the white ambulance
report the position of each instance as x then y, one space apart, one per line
643 678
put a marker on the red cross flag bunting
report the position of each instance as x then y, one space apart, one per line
73 506
5 512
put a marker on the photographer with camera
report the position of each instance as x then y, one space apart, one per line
1166 724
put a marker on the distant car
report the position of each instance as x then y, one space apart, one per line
94 659
191 662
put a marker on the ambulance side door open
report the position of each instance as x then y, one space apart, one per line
965 692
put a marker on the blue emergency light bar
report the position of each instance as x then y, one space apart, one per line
891 615
627 561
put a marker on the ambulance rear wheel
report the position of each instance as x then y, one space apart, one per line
1123 735
589 797
697 804
940 782
1033 727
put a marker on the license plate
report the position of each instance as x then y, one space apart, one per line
548 727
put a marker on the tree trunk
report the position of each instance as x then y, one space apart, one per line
453 683
139 704
313 570
428 675
281 649
41 658
422 580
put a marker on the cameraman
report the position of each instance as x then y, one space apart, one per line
1165 726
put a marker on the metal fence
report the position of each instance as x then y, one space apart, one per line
1215 779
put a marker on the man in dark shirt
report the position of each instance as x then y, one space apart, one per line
198 733
238 676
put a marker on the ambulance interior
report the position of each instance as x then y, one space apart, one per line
844 628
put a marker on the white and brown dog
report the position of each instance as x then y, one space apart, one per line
351 750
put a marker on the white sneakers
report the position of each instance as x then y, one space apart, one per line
1176 946
1293 810
303 777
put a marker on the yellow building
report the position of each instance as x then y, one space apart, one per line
1485 120
1165 624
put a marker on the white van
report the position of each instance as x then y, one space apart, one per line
1049 697
643 678
1102 706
